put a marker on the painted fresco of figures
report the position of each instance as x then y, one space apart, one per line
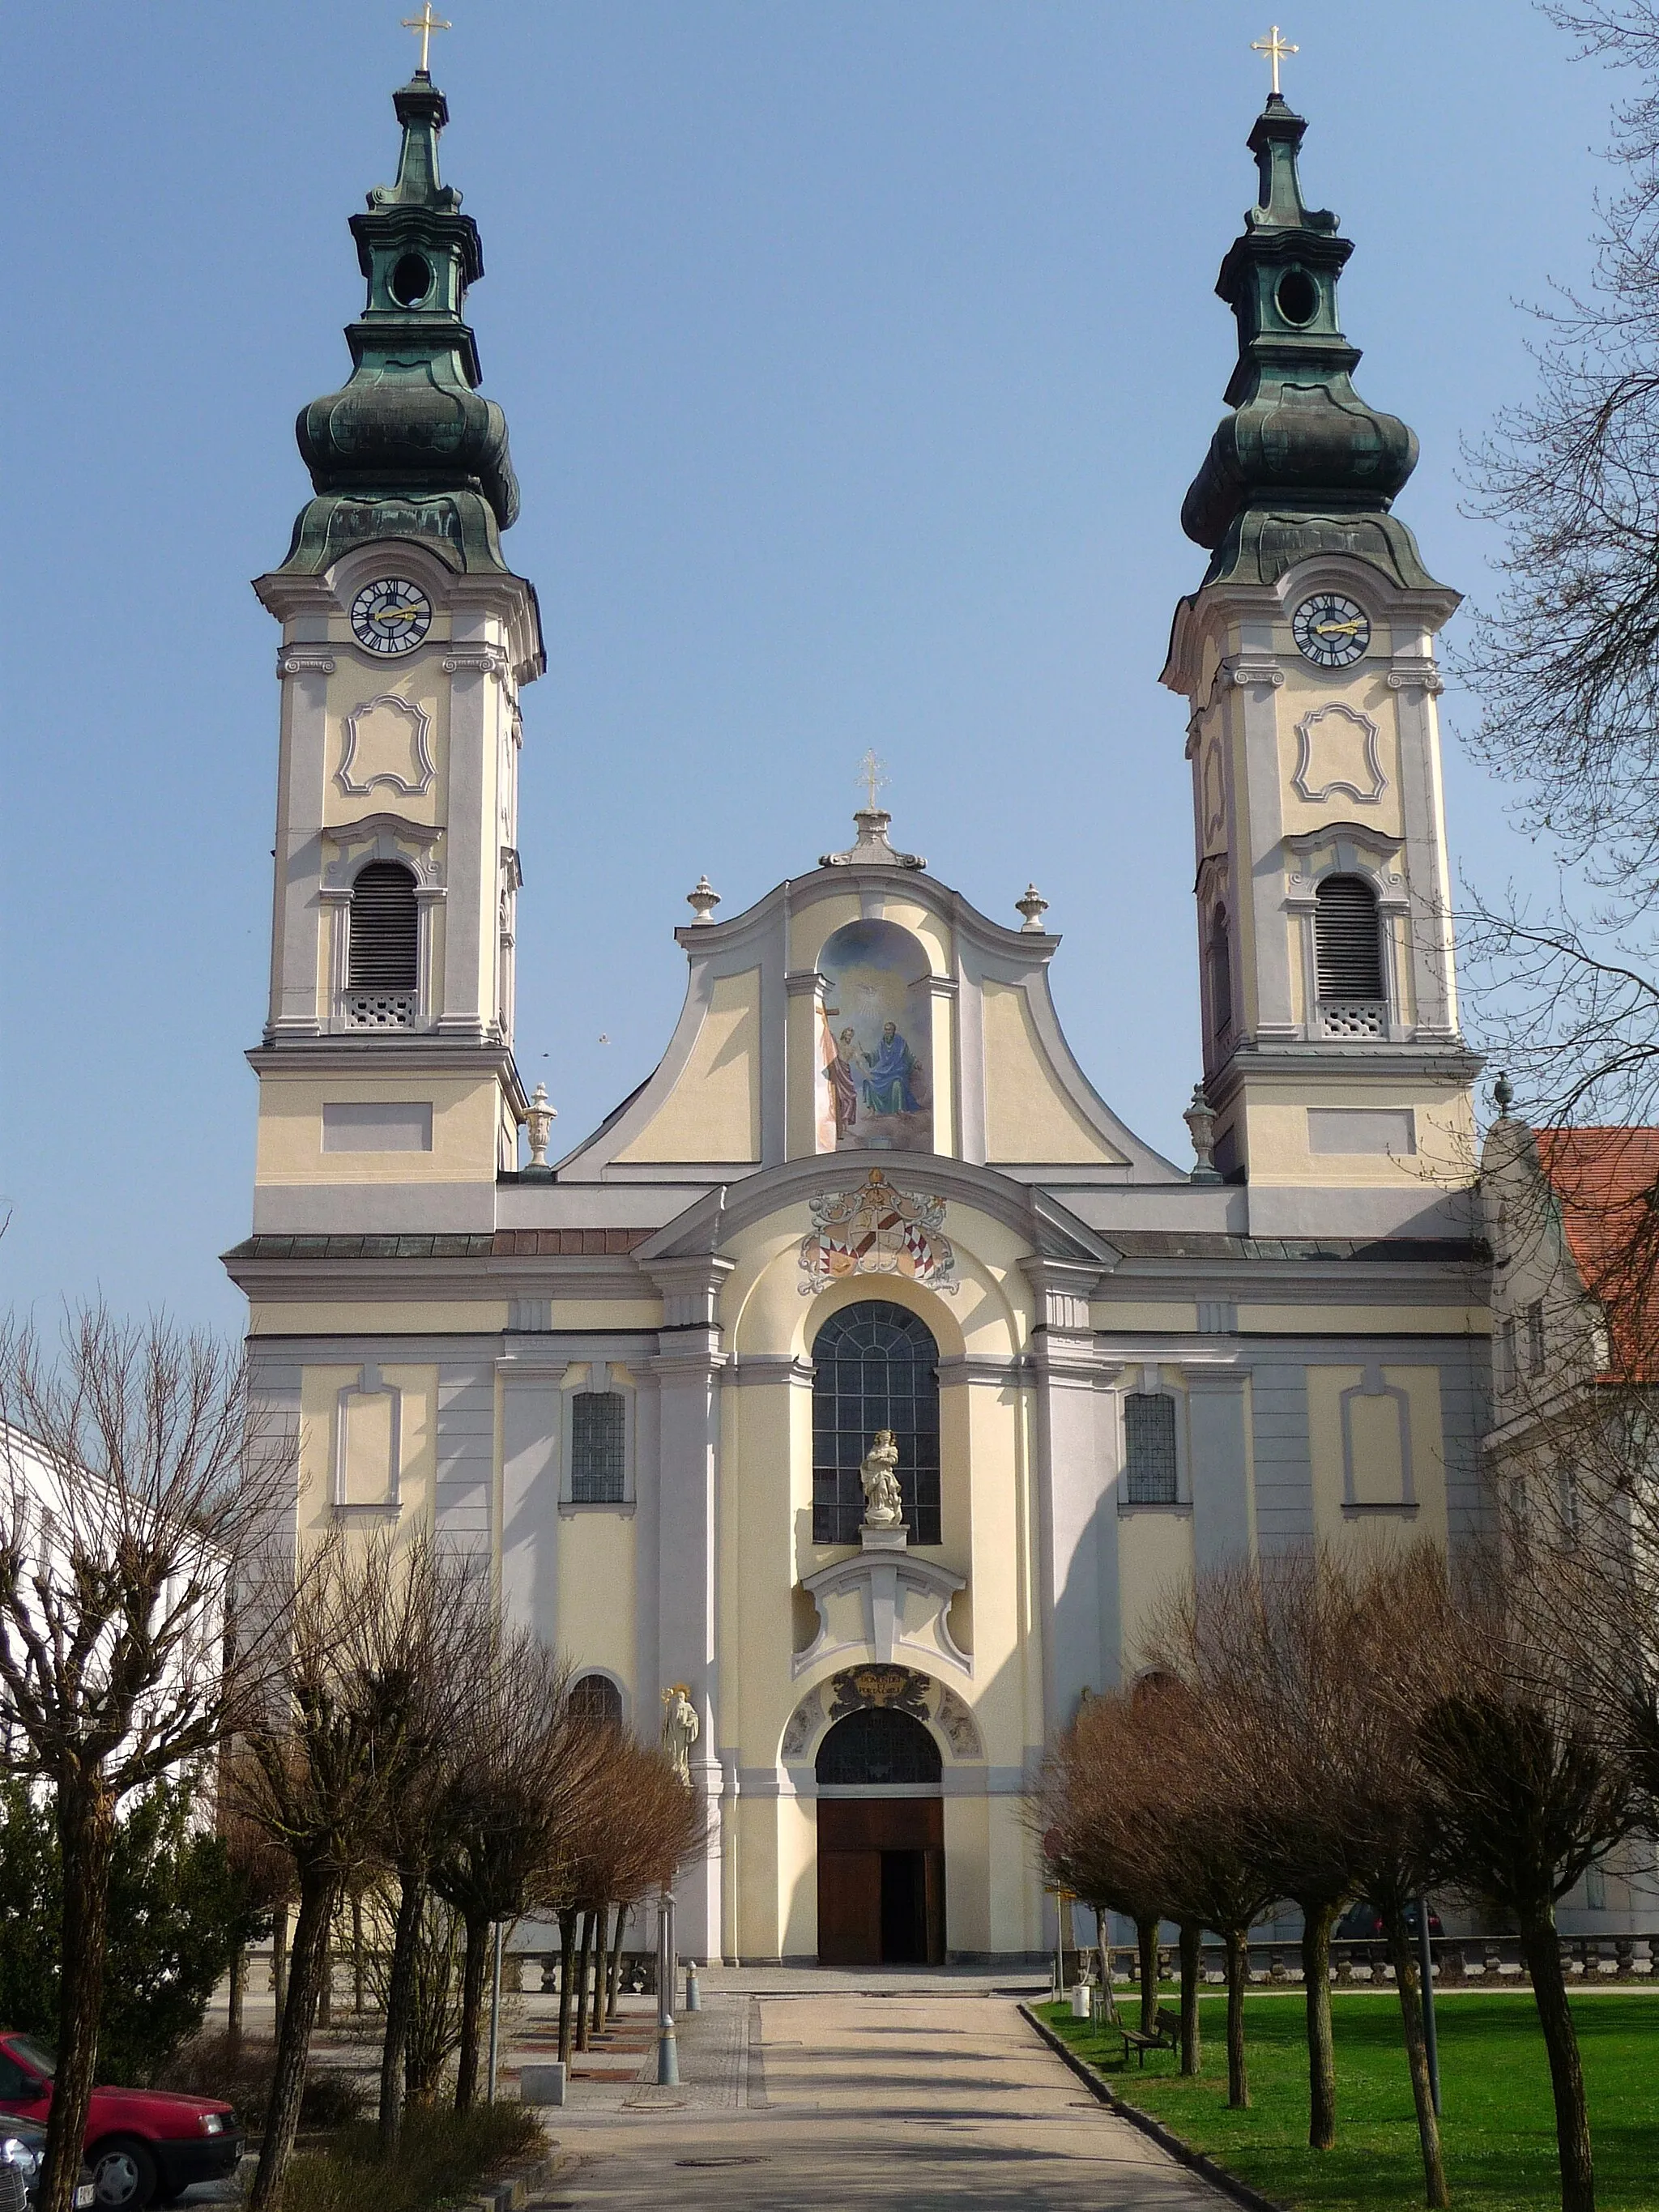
876 1004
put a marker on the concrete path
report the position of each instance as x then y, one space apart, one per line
870 2102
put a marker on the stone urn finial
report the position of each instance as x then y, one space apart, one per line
1033 906
704 900
1503 1094
539 1122
1200 1118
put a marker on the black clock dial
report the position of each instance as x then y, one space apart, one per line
1330 630
390 614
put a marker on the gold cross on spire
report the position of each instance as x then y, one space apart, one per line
870 774
424 25
1275 48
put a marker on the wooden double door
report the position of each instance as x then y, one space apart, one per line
881 1881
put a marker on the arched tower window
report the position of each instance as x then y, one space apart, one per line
877 1746
875 1367
1348 940
383 959
596 1700
1221 975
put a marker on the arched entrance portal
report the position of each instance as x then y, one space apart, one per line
881 1843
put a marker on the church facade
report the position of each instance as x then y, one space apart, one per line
862 1382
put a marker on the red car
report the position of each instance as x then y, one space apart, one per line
144 2146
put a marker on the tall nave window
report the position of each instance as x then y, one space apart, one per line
874 1366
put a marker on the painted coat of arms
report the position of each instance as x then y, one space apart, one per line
876 1230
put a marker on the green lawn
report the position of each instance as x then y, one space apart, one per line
1498 2120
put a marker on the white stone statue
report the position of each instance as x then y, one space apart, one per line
884 1502
680 1729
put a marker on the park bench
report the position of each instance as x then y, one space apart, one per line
1165 2031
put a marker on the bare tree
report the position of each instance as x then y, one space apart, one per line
1530 1791
323 1756
137 1499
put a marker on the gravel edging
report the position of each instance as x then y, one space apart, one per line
1204 2166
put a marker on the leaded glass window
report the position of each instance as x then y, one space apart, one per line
1149 1450
599 1432
875 1367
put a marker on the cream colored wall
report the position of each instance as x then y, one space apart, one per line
1366 691
1276 1117
810 924
420 680
1355 1534
316 1519
1027 1117
713 1112
797 1875
290 1147
404 1317
1365 1321
1155 1558
597 1606
1178 1319
968 1898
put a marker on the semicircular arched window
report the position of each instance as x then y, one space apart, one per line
876 1747
596 1700
875 1366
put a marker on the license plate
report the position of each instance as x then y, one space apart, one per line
85 2195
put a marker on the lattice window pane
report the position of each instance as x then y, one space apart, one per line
598 1453
875 1367
596 1699
1148 1440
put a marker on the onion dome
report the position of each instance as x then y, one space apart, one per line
1302 465
410 447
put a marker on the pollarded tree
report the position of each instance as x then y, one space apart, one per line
142 1603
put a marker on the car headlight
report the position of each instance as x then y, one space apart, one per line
13 2151
213 2124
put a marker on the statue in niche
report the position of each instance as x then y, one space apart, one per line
883 1502
680 1729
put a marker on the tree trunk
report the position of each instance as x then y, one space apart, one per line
472 1983
1238 1980
567 1975
325 1985
601 1924
279 1961
613 1978
1316 1919
1417 2053
86 1840
1192 2047
238 2002
584 1958
1146 1943
357 1952
399 2002
1540 1948
318 1891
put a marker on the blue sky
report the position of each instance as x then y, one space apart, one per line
857 357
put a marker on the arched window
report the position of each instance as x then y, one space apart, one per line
595 1700
1149 1450
384 947
1347 940
1221 975
874 1366
877 1745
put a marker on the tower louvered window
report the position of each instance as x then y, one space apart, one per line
1348 940
1221 975
385 930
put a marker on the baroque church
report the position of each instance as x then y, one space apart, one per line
863 1377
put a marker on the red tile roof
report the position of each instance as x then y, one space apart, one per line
1605 1185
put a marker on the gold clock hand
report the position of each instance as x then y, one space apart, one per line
1337 629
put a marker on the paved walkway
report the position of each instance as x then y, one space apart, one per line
923 2097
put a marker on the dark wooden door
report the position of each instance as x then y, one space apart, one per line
855 1835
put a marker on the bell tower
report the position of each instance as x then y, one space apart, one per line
387 1055
1332 1050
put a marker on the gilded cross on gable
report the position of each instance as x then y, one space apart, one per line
871 775
1275 49
424 25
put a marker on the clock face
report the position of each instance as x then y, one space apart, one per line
390 614
1331 631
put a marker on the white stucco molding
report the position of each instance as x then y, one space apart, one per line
886 1583
420 732
1316 725
304 661
381 836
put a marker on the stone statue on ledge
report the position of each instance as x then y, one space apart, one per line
680 1729
884 1502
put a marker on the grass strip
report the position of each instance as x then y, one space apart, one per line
1498 2124
443 2158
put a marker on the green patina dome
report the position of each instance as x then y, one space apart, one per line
1302 465
409 447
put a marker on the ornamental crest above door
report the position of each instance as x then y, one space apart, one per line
876 1230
